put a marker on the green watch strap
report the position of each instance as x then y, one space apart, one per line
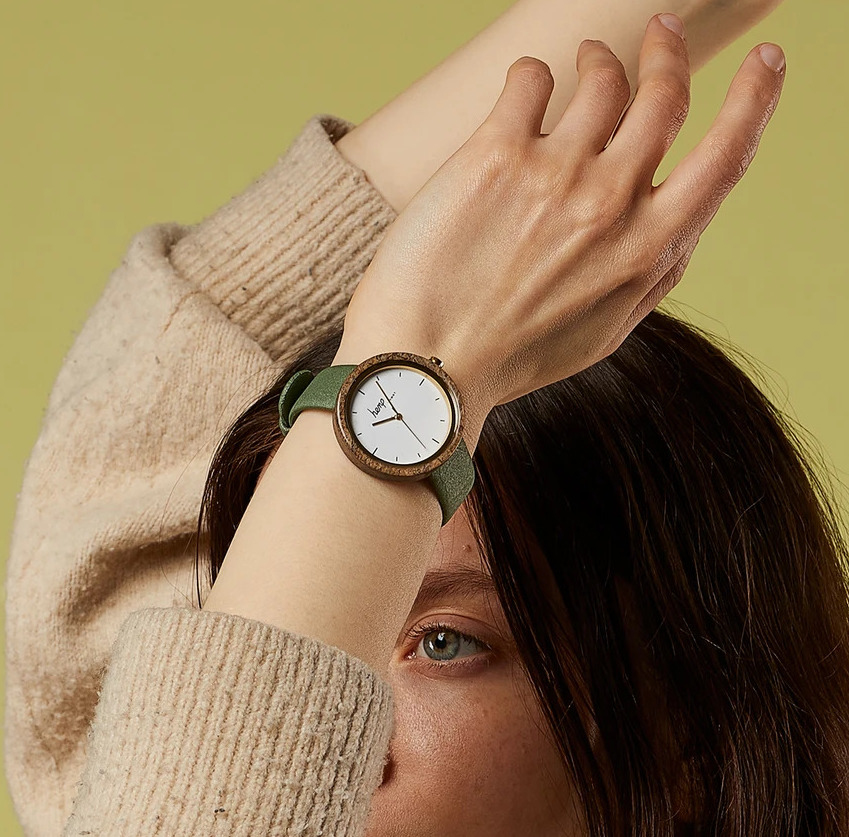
307 390
451 481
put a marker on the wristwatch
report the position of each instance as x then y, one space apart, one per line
396 415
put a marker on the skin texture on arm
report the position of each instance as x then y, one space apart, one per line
401 145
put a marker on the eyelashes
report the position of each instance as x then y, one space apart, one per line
416 634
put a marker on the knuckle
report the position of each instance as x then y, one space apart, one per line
607 213
730 159
612 205
610 78
671 93
497 153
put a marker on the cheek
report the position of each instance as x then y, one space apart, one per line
469 758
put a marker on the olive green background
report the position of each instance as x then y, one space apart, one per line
116 116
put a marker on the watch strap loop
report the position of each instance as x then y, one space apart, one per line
305 390
291 391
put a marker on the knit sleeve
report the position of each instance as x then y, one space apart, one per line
213 724
104 705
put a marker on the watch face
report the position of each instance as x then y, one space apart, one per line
399 416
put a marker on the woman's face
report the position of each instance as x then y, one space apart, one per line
469 755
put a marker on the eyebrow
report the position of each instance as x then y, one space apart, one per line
461 582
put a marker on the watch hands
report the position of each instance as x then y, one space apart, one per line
401 418
411 430
384 393
398 415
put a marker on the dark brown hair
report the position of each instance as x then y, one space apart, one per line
661 475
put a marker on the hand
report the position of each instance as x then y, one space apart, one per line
527 258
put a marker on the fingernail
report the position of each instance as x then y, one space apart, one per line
672 22
772 56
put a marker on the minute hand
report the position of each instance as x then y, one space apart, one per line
399 414
411 430
385 395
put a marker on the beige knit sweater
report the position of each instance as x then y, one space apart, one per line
128 710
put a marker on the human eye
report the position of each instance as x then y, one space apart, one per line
444 641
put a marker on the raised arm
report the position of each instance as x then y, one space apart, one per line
401 145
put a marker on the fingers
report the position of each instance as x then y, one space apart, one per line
521 107
603 92
697 186
660 106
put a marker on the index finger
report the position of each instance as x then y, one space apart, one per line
696 187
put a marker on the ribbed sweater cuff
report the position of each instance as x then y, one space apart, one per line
284 257
211 723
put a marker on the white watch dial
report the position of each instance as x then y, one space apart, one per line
400 414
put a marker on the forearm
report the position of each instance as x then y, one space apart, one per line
401 145
327 550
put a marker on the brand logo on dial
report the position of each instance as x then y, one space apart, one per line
381 405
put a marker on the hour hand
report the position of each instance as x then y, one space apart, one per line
383 421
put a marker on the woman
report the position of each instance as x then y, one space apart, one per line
216 719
